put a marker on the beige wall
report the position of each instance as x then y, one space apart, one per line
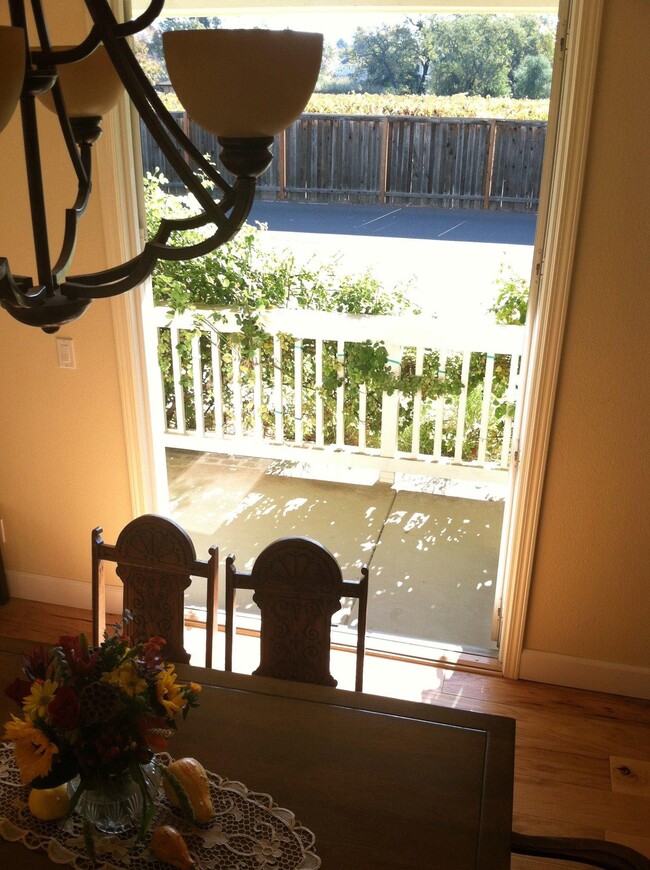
63 467
591 583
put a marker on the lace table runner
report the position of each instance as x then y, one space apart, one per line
248 831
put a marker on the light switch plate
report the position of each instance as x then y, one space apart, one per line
65 353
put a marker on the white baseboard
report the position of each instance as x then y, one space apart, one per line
578 673
59 590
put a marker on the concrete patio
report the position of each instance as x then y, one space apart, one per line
431 545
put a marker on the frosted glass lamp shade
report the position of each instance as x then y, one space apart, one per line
243 83
90 87
12 71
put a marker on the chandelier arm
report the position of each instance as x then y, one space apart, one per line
90 43
166 133
81 171
72 217
112 282
179 135
130 28
34 168
12 291
52 57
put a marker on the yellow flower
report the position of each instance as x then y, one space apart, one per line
195 687
126 678
170 694
35 704
32 748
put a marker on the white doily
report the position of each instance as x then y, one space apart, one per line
248 832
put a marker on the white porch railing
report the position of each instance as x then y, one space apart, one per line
270 406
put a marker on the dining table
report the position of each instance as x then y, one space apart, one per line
381 783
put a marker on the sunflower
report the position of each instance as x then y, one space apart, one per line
35 704
32 748
126 678
169 693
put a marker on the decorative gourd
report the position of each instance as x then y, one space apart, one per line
186 786
168 845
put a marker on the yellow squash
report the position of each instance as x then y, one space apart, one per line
168 845
186 786
49 803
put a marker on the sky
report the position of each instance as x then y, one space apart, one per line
332 25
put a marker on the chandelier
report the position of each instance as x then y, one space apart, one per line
244 86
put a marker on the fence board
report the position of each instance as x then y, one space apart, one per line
402 160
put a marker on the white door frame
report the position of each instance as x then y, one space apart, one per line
557 226
124 222
580 22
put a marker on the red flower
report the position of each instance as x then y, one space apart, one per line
70 644
35 665
18 690
63 709
152 652
77 654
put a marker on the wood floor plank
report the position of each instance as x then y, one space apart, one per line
562 767
586 807
597 705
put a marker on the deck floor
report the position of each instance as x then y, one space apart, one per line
431 545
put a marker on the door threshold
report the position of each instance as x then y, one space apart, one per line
387 647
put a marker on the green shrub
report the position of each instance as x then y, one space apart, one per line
244 277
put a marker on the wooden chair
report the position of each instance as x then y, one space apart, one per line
592 853
155 561
298 587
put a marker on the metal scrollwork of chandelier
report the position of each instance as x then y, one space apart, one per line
244 86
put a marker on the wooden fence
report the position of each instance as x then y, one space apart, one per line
450 162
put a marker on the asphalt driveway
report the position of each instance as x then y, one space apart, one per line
390 221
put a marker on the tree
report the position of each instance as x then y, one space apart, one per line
533 78
469 54
478 54
389 59
149 46
531 36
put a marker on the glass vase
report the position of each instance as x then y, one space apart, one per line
116 805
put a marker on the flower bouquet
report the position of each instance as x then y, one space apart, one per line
96 715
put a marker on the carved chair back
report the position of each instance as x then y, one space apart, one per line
298 586
156 561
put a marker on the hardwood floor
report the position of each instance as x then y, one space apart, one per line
582 759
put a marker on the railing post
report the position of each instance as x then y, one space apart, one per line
320 435
462 407
340 394
278 411
197 386
297 394
217 386
179 396
390 414
257 401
